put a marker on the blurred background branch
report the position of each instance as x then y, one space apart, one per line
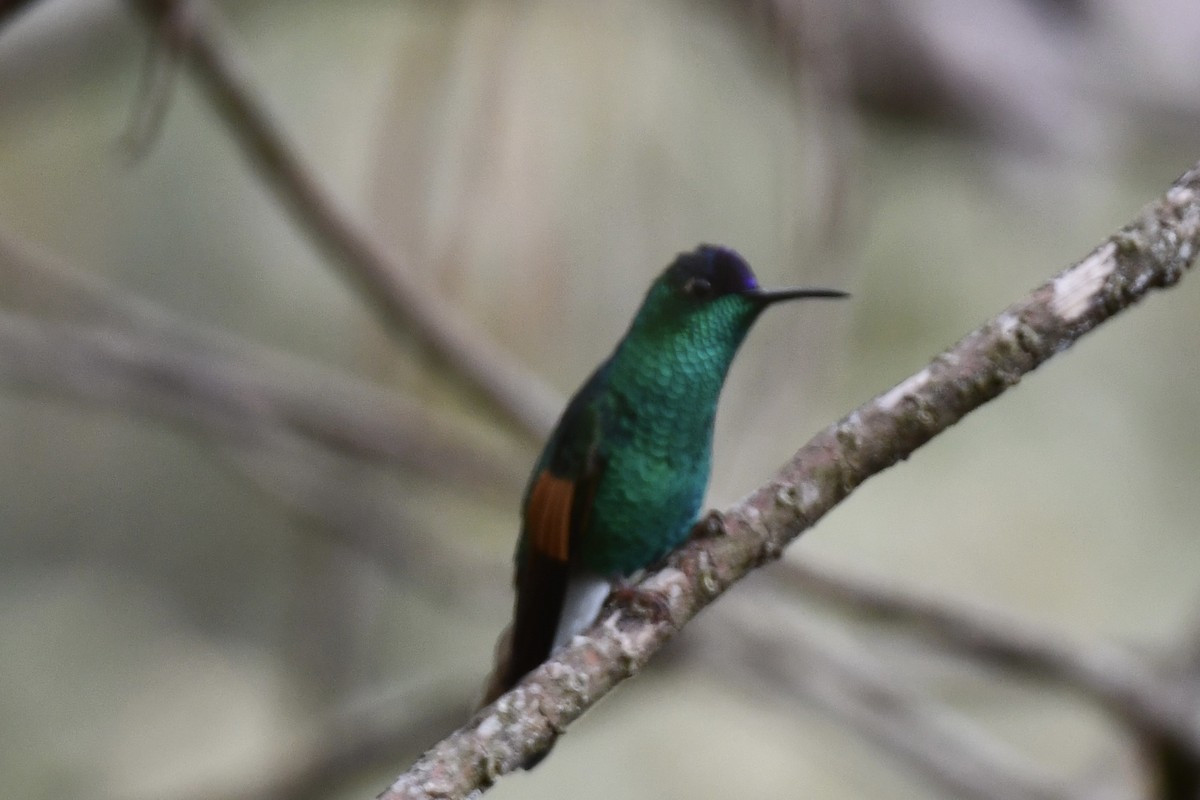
194 29
778 658
1114 677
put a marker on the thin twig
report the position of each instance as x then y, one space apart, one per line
404 304
160 72
1152 252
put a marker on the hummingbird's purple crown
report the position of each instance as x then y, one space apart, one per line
725 270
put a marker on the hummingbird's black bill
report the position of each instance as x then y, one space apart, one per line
767 298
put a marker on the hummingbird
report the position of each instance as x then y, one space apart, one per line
621 479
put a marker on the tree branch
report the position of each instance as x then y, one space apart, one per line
1151 252
403 304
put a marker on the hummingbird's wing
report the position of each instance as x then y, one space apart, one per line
555 515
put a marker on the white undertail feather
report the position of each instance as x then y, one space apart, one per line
585 595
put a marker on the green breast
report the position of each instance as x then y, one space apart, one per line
660 413
656 409
644 506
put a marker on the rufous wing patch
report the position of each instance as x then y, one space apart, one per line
548 515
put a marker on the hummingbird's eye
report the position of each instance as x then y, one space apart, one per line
698 288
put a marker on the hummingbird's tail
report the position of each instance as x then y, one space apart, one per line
499 681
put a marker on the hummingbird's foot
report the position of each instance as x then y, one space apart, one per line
710 526
649 604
